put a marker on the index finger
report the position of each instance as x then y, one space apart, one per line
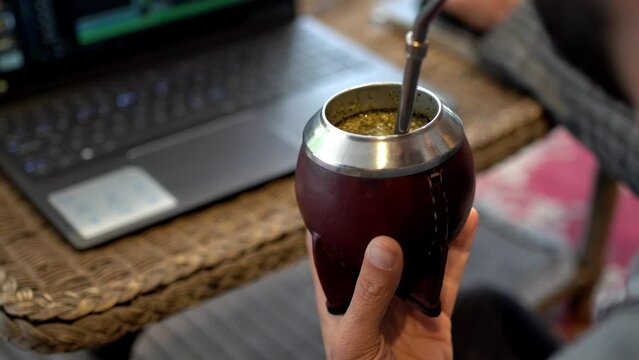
458 254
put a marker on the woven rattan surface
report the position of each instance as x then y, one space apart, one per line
55 299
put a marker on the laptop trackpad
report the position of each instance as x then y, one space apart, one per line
206 163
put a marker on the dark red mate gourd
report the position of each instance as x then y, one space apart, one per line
417 188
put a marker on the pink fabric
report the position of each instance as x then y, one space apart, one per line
547 187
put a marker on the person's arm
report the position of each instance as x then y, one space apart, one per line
520 48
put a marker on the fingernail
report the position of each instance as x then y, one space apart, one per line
380 256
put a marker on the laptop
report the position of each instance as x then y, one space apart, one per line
118 114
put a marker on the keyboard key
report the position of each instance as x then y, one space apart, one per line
125 100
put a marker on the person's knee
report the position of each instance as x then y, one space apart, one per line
485 303
484 295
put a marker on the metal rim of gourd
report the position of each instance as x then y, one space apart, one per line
381 156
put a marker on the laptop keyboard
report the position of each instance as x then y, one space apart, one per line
89 122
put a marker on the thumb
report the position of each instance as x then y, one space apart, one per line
376 285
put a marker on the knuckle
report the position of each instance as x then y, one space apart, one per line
371 291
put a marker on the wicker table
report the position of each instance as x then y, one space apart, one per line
55 299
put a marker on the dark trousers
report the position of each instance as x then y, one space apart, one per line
488 325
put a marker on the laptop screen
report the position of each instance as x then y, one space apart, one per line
42 38
103 20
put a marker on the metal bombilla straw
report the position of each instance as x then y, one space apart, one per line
416 49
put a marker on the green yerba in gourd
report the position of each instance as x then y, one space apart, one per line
378 123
